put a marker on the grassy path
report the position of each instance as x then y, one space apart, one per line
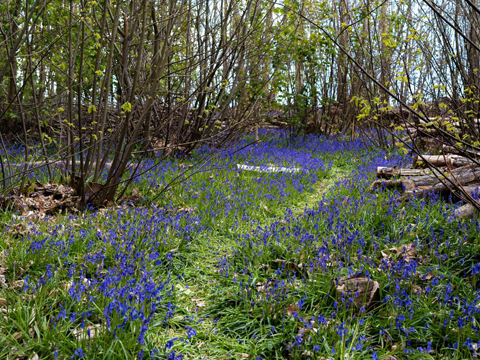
320 189
199 285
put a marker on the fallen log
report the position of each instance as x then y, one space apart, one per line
428 144
388 172
466 123
443 160
268 169
460 176
461 183
454 150
410 133
416 133
403 185
444 191
57 163
465 211
38 164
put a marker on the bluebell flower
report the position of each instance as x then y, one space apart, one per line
78 353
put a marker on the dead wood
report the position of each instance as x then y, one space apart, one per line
39 200
453 150
388 172
363 291
449 160
460 176
402 185
465 211
454 177
443 191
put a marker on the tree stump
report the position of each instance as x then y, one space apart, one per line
363 291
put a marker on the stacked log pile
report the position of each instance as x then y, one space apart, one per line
447 175
425 136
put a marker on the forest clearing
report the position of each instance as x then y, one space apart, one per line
251 266
239 179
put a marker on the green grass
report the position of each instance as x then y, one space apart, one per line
249 265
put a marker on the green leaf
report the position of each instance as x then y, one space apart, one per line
127 107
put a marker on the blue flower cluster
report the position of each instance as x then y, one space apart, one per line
118 277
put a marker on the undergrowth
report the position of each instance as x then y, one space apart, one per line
238 264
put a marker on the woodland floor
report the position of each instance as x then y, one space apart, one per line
234 264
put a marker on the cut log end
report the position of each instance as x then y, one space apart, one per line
465 211
403 185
